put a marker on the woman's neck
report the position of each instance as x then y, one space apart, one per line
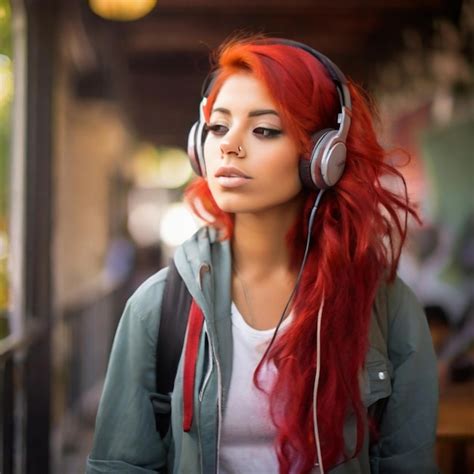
259 240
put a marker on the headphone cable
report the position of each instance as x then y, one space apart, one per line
300 273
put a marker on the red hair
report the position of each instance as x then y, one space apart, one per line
356 240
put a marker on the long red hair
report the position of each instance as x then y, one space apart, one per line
356 240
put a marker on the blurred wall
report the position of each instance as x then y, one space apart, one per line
92 140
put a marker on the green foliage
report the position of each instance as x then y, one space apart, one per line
5 28
6 88
5 101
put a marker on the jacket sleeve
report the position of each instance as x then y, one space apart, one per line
408 426
125 439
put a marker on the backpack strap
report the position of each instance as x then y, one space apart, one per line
175 309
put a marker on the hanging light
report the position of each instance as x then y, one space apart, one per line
122 10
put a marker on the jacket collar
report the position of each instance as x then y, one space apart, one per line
205 264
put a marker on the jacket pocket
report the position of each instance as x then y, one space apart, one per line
377 382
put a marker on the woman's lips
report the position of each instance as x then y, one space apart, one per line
231 177
232 181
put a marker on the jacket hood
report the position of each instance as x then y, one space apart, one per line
204 262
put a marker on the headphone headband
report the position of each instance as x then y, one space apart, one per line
336 74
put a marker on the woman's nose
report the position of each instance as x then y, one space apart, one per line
232 148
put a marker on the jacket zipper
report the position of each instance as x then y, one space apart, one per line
206 267
219 407
210 368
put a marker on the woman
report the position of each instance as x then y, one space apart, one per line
314 357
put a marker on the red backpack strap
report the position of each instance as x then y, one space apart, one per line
195 324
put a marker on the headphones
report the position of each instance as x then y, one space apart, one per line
328 156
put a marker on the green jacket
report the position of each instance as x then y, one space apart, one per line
400 364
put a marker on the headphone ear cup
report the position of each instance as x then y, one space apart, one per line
309 169
327 161
333 159
196 139
305 174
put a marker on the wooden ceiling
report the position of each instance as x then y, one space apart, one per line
154 66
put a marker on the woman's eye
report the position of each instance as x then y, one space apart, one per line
267 132
216 129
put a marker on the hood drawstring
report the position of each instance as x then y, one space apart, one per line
319 461
195 324
203 269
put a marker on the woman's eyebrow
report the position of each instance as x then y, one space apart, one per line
252 113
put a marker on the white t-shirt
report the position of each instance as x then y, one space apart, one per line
247 432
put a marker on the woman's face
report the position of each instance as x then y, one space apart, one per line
245 115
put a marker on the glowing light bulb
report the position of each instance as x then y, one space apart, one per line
122 10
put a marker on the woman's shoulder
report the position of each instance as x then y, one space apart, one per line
406 327
396 305
144 304
400 300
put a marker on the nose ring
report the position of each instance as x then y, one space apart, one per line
240 152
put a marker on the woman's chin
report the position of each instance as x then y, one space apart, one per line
235 206
234 209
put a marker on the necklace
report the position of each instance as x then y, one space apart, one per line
246 297
251 316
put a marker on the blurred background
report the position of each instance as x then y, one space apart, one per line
96 100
